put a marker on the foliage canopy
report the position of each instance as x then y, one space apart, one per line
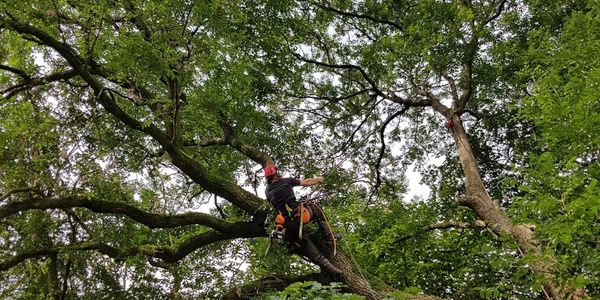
132 135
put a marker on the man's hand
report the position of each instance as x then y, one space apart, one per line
312 181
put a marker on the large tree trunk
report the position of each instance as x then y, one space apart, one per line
480 201
353 278
354 281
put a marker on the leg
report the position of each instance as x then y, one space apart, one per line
324 226
310 251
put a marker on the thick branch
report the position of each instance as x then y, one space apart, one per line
249 151
215 184
238 230
235 230
433 101
151 220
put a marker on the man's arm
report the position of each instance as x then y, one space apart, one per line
312 181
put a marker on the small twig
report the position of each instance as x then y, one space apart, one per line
347 143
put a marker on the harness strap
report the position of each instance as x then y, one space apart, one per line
301 220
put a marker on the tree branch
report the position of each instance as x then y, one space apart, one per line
212 183
444 225
329 99
33 82
432 101
18 72
151 220
453 90
362 71
497 13
15 191
206 143
238 230
272 282
460 104
382 138
358 16
249 151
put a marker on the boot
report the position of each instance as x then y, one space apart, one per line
326 265
310 251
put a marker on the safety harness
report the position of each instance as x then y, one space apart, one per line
304 213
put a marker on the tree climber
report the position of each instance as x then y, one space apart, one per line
280 193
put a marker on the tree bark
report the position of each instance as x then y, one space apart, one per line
353 279
479 200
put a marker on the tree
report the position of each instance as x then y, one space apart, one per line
134 90
378 60
119 120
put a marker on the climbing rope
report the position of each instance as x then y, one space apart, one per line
330 230
353 260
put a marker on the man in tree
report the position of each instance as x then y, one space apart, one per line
280 193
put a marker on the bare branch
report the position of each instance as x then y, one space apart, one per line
497 13
382 138
362 71
358 16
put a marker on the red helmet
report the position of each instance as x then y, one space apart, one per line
270 170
